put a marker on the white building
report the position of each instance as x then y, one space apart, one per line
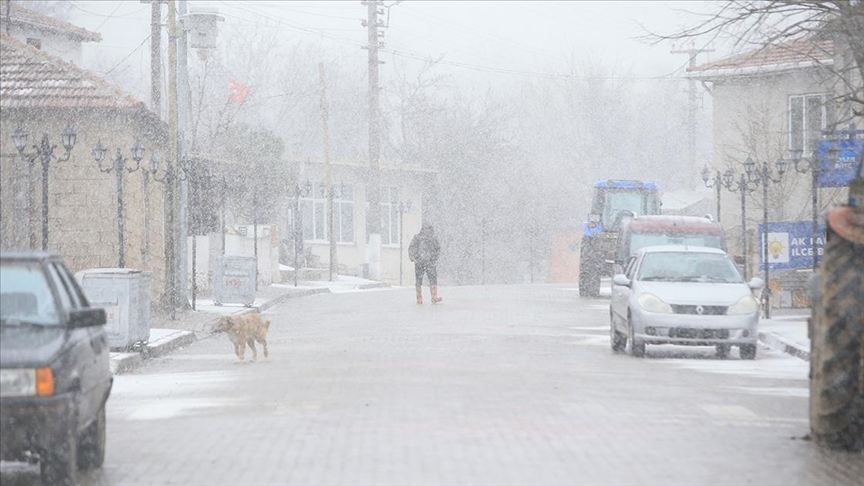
56 37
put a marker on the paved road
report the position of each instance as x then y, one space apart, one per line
498 385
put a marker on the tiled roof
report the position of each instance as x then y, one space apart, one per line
797 54
22 15
30 78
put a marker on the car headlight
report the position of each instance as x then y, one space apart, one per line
24 382
745 305
652 303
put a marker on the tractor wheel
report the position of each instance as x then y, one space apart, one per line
837 348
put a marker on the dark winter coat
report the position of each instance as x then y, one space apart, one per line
424 248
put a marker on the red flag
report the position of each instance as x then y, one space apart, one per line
237 92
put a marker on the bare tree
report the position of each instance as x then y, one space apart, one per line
776 23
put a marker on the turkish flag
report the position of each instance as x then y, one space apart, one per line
237 92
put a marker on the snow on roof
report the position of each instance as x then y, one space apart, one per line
23 16
786 56
31 78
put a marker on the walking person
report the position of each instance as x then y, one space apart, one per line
423 251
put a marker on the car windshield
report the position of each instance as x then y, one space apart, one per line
642 240
689 267
25 296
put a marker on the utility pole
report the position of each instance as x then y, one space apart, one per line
692 106
328 177
155 56
174 159
373 188
183 110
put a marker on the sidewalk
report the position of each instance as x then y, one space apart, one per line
786 331
167 335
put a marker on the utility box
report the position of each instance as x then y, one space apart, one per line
124 293
234 280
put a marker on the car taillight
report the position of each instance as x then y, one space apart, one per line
44 382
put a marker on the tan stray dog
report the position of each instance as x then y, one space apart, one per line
243 330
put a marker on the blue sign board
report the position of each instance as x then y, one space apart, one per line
790 245
840 172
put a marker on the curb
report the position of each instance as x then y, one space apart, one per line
779 343
170 343
125 362
376 285
282 298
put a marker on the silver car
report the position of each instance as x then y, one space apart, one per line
684 295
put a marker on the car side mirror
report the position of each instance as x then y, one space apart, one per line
91 316
621 280
756 283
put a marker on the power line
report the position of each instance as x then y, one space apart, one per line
110 16
476 67
127 56
130 14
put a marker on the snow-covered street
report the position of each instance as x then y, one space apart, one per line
497 385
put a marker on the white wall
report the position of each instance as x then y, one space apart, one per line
59 46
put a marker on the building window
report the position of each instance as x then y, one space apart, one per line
314 212
390 231
809 116
33 42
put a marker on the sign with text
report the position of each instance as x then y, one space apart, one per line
790 245
840 172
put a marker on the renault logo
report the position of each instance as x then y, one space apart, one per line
700 310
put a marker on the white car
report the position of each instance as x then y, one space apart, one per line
684 295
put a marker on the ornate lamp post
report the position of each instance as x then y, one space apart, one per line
403 207
813 165
760 173
148 172
742 186
715 182
169 175
118 166
295 192
45 153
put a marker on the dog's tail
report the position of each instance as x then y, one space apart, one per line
267 325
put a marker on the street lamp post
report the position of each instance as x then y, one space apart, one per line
198 175
812 165
715 182
170 174
296 193
742 186
154 160
760 173
45 153
403 207
118 166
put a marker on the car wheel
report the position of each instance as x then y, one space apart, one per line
747 351
58 466
91 443
723 351
637 348
619 340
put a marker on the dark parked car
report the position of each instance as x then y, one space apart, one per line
54 368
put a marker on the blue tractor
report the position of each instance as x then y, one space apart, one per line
613 201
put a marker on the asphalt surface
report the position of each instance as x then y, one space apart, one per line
497 385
